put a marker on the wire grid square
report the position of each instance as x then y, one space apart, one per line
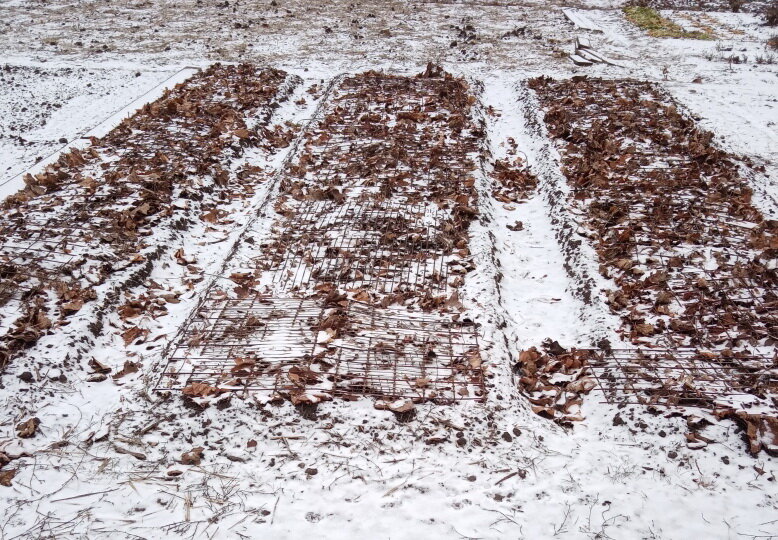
683 377
277 346
356 244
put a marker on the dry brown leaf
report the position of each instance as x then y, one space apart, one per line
132 334
128 368
73 306
28 428
6 477
193 457
200 390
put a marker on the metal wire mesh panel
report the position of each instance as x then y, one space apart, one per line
382 246
248 344
685 377
37 250
393 353
92 213
670 215
361 265
299 347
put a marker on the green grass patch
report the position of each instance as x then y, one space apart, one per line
655 25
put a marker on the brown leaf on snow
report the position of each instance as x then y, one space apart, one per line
129 367
761 431
473 357
556 380
242 291
99 367
302 376
182 258
193 457
300 397
73 306
200 390
241 277
528 360
243 367
211 216
362 296
644 329
401 406
129 311
89 183
131 334
6 477
581 386
547 412
28 428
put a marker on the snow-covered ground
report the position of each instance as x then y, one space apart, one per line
44 109
106 460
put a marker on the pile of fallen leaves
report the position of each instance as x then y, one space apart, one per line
555 380
760 431
671 218
89 214
513 181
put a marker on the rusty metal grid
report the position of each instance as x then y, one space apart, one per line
36 249
364 210
683 377
355 245
275 346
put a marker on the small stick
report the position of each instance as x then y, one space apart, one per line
504 478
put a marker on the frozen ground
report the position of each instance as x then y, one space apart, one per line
267 472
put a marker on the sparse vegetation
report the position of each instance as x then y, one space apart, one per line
655 25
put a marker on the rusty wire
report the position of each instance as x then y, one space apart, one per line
366 254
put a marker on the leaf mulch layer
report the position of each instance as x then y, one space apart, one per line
393 161
98 211
671 218
370 246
